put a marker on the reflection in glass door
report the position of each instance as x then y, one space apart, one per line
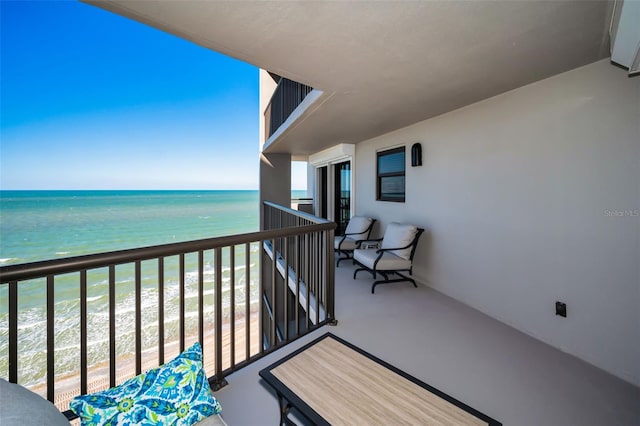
342 195
322 204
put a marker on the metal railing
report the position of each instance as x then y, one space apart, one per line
299 282
285 99
136 308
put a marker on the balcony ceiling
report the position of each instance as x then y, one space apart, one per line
385 65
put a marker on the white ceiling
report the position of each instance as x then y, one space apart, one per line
384 65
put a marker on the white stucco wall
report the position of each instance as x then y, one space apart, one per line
519 195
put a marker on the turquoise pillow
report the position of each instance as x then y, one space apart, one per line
176 393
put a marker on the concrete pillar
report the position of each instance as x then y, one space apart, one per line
275 180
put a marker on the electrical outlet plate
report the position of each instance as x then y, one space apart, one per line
561 309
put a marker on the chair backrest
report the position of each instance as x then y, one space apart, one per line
359 226
399 235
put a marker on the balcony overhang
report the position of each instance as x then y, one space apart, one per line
276 143
384 65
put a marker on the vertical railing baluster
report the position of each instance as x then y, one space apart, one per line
285 290
331 280
318 261
297 298
181 294
218 312
160 310
50 338
112 325
274 303
247 299
13 332
307 277
201 297
232 304
83 332
261 297
138 315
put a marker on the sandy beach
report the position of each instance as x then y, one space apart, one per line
68 386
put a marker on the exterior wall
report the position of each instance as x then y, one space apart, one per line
530 197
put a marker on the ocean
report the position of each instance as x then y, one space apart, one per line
43 225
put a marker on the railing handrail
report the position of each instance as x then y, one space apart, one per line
302 215
39 269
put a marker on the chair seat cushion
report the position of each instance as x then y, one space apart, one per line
388 262
347 245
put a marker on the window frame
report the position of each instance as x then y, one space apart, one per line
380 176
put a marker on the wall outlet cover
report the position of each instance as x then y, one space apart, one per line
561 309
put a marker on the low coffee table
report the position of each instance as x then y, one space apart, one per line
331 381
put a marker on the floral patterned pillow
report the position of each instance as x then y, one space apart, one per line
176 393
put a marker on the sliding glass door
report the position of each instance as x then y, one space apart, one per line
342 194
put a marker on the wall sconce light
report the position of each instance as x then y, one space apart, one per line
416 155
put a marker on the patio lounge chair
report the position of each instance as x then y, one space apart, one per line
394 256
358 230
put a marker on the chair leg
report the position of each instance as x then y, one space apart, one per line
340 259
403 278
347 256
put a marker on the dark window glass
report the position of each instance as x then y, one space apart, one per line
390 175
391 163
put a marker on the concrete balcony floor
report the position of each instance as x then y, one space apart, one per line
484 363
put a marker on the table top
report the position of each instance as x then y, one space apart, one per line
331 381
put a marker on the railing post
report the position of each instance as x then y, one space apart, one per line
181 292
201 297
330 274
83 332
50 339
160 310
247 299
112 326
232 304
138 317
219 381
13 332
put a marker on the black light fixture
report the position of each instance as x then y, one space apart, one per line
416 155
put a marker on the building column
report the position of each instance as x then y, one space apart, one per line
275 181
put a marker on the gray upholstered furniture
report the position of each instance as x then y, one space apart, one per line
20 406
358 230
394 256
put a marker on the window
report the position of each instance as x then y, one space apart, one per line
390 184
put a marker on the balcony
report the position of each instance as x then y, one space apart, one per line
494 368
500 371
285 99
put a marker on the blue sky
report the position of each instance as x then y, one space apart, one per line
92 100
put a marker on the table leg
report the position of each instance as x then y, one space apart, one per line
285 406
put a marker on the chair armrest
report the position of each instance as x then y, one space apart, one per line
359 243
397 248
367 245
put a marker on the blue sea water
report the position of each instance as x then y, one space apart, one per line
43 225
